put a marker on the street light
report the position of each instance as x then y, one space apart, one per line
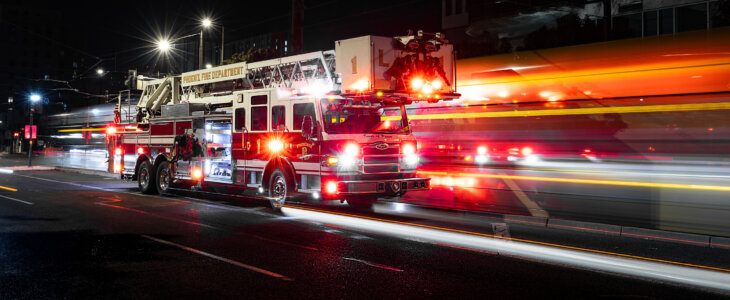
33 98
163 45
208 23
100 71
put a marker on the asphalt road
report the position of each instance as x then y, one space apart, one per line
68 235
688 198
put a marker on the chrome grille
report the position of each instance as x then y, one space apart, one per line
383 160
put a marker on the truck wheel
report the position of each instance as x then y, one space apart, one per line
145 178
279 189
164 178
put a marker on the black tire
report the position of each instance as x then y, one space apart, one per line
164 178
146 178
280 188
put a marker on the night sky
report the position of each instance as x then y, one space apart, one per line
128 30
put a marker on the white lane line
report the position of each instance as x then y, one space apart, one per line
223 259
16 200
373 264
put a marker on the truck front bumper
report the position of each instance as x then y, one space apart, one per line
388 187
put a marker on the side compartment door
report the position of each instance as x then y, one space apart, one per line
306 152
257 152
239 142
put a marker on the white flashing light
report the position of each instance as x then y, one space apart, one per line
481 159
276 145
409 149
481 150
427 89
417 83
412 160
352 150
35 97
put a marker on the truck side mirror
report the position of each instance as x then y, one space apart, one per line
307 127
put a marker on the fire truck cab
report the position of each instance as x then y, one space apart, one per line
290 126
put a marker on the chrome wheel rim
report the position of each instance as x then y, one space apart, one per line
143 177
278 192
164 179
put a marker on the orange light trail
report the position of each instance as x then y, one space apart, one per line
588 181
8 188
572 111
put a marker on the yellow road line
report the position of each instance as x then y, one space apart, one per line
8 188
590 181
81 129
571 111
511 239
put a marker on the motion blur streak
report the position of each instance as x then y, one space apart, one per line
81 129
8 188
591 181
574 111
649 268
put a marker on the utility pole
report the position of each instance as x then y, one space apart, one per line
223 44
297 26
30 140
200 52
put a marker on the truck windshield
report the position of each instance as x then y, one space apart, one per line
361 116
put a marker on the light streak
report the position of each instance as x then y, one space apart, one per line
589 181
81 129
8 188
296 210
572 111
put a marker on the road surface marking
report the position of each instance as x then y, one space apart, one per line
8 188
721 188
373 264
223 259
16 200
534 209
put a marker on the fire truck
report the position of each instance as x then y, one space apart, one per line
328 125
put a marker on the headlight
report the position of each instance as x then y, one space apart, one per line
409 149
352 150
412 159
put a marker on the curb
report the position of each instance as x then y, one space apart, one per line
661 235
613 230
719 242
88 172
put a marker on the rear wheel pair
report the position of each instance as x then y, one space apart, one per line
154 180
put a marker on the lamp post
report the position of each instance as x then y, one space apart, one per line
206 24
33 98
